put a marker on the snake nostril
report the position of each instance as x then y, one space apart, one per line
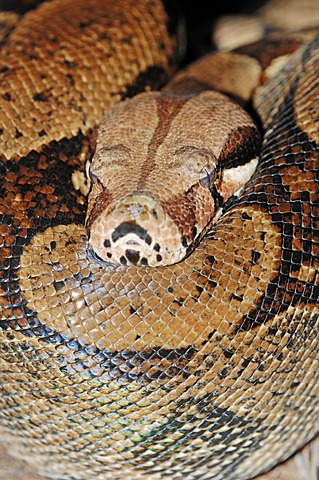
123 260
157 247
133 256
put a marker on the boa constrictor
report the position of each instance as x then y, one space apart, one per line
204 369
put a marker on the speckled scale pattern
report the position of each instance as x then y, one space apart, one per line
87 60
205 369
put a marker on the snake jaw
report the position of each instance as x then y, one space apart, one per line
137 231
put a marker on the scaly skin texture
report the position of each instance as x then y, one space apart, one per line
147 205
204 369
302 466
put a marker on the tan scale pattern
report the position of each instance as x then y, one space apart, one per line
205 369
77 69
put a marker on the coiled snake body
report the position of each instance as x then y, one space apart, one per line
207 368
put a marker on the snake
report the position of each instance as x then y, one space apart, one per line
156 330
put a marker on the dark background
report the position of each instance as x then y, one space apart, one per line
200 16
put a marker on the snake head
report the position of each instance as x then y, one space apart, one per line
164 166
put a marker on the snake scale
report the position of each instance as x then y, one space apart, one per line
207 368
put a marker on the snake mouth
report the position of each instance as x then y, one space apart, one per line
136 231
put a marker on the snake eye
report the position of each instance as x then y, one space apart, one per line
207 175
92 176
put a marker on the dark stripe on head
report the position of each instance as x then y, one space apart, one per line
168 107
129 227
218 199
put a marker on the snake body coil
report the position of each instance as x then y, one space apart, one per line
203 369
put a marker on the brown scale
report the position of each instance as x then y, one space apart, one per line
51 78
207 367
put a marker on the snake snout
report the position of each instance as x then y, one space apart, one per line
136 231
